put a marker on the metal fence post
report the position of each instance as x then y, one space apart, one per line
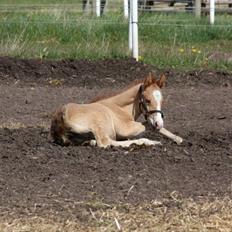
130 27
198 8
212 11
98 8
134 25
126 9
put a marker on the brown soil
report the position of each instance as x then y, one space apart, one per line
37 177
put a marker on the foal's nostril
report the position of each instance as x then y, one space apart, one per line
158 125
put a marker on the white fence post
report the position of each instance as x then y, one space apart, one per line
198 8
134 25
85 6
212 11
130 27
98 8
126 9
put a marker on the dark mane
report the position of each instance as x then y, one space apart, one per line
108 93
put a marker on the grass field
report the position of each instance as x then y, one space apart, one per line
62 31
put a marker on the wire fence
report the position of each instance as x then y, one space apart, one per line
161 6
163 23
112 6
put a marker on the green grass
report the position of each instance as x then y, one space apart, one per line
177 41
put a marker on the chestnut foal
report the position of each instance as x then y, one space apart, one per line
112 118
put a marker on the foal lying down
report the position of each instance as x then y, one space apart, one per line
113 118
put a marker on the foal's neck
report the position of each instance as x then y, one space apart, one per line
128 100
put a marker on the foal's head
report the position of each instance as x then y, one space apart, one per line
150 100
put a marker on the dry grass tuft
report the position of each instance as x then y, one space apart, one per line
180 215
14 125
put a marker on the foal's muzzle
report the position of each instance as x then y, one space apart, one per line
156 118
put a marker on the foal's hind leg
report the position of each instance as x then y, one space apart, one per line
127 143
123 130
132 129
102 139
142 141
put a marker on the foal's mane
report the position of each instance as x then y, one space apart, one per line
108 93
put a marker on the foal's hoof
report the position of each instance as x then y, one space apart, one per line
93 142
156 143
153 143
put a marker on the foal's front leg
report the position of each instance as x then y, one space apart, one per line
170 135
132 129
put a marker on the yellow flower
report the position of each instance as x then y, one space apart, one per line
194 50
140 58
181 50
199 51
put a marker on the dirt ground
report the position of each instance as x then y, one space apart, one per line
38 177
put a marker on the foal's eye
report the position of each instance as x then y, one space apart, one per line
148 101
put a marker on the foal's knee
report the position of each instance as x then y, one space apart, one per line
103 142
103 136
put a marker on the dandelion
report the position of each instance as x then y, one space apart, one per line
194 50
141 58
181 50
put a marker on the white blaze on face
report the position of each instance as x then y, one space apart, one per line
156 119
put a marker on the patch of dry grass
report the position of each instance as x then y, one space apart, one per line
173 215
15 125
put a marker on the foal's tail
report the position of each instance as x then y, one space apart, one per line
58 129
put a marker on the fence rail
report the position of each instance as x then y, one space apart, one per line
108 6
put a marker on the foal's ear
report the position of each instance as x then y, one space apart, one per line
149 80
161 81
